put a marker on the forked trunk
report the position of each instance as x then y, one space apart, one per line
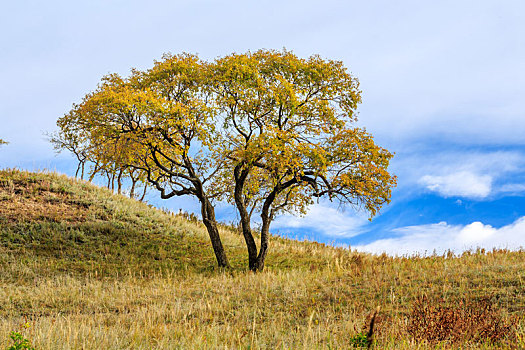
267 217
94 172
240 177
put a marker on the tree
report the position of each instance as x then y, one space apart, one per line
266 131
72 140
288 136
157 122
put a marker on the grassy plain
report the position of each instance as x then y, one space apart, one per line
82 268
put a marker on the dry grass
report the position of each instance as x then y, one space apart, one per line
128 276
37 200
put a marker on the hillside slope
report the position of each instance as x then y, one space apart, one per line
75 226
84 228
85 268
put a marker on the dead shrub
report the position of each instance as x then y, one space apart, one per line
458 321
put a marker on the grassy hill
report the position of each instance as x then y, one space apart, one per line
82 268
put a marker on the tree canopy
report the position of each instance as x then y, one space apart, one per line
267 131
289 137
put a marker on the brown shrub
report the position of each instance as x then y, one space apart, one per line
455 321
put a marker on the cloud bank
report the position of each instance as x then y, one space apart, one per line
441 237
470 174
325 219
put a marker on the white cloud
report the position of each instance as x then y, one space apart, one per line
425 239
512 188
467 174
462 184
325 219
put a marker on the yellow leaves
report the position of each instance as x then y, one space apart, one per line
283 117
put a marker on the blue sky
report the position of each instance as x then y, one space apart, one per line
443 87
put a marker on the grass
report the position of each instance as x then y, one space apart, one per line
86 269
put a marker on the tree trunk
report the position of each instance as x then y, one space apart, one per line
240 177
218 249
208 218
132 189
248 238
94 172
78 169
267 216
265 232
144 193
119 181
207 210
113 182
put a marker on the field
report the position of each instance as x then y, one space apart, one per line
82 268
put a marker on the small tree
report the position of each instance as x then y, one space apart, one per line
72 140
289 138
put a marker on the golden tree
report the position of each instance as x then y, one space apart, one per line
267 131
157 122
289 137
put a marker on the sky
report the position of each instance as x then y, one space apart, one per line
443 88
